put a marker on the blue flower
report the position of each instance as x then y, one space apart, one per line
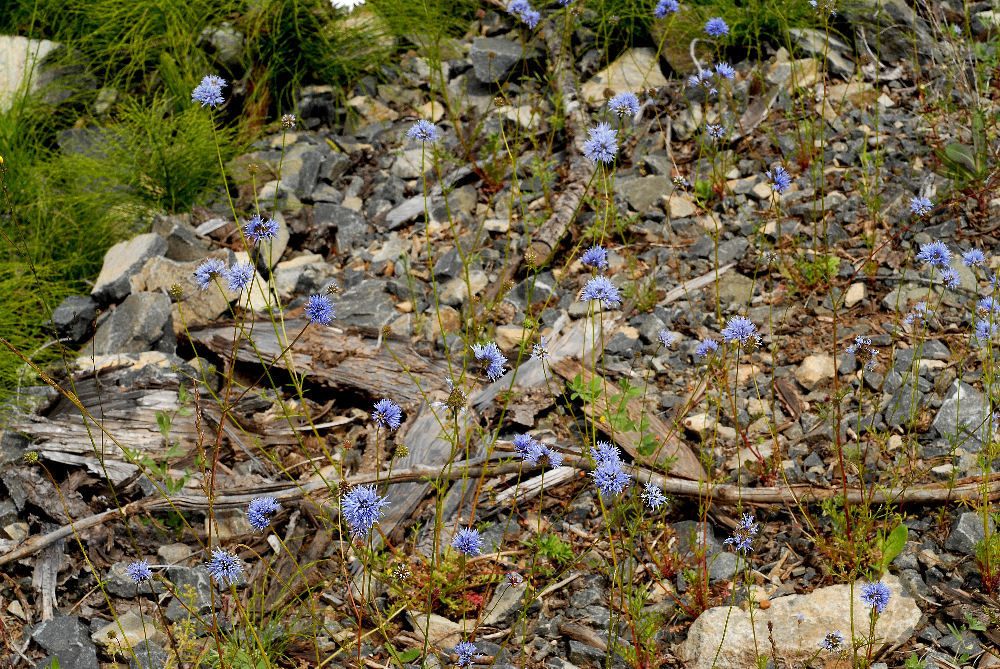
606 452
664 7
986 330
832 641
468 541
742 330
318 309
780 179
540 351
725 70
653 496
704 78
139 571
988 305
666 338
207 271
716 27
224 567
950 278
610 477
257 229
624 104
423 131
209 91
540 452
706 348
258 511
601 145
742 539
466 652
523 445
596 257
920 206
715 130
361 509
918 314
935 254
239 276
876 596
601 288
973 258
491 359
523 10
387 414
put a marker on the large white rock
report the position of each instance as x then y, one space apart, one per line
815 370
634 70
19 60
123 261
823 610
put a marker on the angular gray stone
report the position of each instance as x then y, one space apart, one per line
66 638
21 63
903 406
141 323
312 164
352 230
494 57
149 655
366 305
183 244
965 415
966 532
74 316
644 193
120 584
194 586
822 45
122 261
892 29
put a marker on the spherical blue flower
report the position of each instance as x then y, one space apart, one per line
653 496
257 229
742 330
523 445
950 278
540 351
986 329
716 27
920 206
423 131
780 179
611 478
973 258
706 348
601 145
624 104
239 276
596 257
387 414
742 539
601 288
361 509
606 452
664 7
715 130
466 652
319 309
666 338
705 79
522 10
468 541
224 567
725 70
259 510
209 91
541 452
988 305
876 596
139 571
207 271
491 359
935 254
918 314
531 18
833 641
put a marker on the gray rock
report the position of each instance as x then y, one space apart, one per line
644 193
312 164
405 212
822 45
903 406
366 305
193 585
966 532
722 567
225 43
335 166
183 244
67 639
21 61
353 232
892 30
74 317
122 261
583 655
141 323
120 584
508 605
692 534
493 58
964 416
732 249
149 656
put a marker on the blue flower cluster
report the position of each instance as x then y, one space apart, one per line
533 451
466 653
653 496
540 351
361 508
139 571
522 10
423 131
225 567
601 144
601 288
258 229
468 541
876 596
743 535
706 348
209 91
609 475
259 511
780 179
716 27
741 330
664 7
387 414
490 358
596 257
624 104
319 309
862 348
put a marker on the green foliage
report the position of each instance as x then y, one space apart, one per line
892 545
819 268
552 547
914 662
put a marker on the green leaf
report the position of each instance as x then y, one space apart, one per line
961 156
54 664
409 656
893 545
163 422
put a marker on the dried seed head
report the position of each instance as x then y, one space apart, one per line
334 289
253 168
288 121
499 101
176 291
386 332
401 451
530 258
401 572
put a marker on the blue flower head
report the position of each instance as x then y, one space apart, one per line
540 351
664 7
523 445
543 453
988 305
601 145
950 278
361 509
706 348
606 452
986 330
705 79
973 258
742 330
492 360
209 91
833 641
725 70
225 567
780 179
611 478
139 571
920 206
466 653
596 257
624 104
207 271
522 10
259 510
935 254
716 27
876 596
468 541
742 539
257 229
601 288
653 496
715 130
666 338
239 276
918 314
387 414
319 309
423 131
